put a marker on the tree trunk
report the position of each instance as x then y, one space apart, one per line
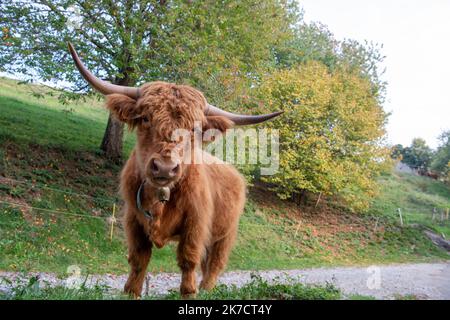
300 198
112 143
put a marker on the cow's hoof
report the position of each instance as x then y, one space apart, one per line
188 296
132 294
206 286
188 293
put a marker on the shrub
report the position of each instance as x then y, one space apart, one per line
330 134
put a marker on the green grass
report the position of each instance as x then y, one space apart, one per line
260 289
417 197
25 118
55 147
256 289
35 290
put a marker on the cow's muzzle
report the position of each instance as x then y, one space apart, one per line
162 172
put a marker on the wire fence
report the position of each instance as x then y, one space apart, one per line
437 215
110 220
108 202
435 218
113 216
34 184
111 201
58 212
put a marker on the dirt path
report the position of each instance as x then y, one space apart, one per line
423 281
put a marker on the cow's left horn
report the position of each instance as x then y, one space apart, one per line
98 84
240 119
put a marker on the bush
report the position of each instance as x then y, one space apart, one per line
330 133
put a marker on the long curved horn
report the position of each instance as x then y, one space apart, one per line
98 84
240 119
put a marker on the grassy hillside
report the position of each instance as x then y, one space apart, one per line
59 192
25 118
417 197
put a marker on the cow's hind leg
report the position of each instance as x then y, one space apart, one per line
139 253
217 260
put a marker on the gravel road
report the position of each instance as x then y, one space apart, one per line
424 281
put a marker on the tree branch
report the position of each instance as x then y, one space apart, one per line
55 10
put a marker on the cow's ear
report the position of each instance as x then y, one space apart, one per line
123 107
218 122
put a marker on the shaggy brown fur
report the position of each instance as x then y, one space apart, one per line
206 200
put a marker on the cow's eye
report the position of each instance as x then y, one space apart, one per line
145 119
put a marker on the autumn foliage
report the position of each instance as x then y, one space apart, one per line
330 134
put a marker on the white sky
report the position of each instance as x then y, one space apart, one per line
416 39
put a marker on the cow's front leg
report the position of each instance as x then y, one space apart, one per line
189 256
191 249
139 253
194 237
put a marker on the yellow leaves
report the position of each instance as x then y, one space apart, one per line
329 133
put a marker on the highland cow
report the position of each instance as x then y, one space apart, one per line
166 197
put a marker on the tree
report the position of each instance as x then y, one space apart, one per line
221 47
418 155
441 160
330 134
397 151
315 42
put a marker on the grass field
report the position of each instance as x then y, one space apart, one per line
59 194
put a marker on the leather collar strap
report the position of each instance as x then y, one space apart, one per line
148 214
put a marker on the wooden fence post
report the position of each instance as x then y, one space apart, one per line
376 225
400 215
318 200
433 217
113 219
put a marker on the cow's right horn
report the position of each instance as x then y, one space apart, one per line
98 84
240 119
